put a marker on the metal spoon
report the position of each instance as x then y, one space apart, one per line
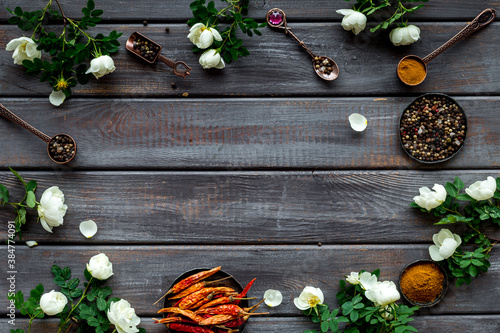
484 18
56 145
276 18
154 54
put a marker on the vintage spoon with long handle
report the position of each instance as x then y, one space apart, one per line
61 148
325 67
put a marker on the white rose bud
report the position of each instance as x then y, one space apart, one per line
383 293
405 35
446 243
212 59
431 199
353 20
353 278
482 190
53 303
52 208
24 49
123 317
100 267
101 66
202 36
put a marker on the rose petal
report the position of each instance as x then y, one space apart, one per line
358 122
434 253
448 248
273 297
57 97
88 228
31 243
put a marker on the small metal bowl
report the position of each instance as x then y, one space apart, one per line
450 101
231 283
441 294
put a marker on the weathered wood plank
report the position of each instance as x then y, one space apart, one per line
236 134
142 274
436 323
278 66
354 207
310 10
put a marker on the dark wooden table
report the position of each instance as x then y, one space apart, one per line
255 167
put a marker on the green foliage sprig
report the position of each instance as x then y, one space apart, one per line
69 49
231 47
398 10
28 201
460 207
360 313
87 306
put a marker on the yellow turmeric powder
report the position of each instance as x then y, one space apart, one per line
422 282
411 71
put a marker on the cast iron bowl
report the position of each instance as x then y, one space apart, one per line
231 283
438 298
450 101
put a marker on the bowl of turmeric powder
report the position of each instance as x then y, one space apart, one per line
423 283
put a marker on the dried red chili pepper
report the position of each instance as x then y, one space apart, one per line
241 320
195 287
228 309
190 314
245 290
189 281
216 320
190 300
222 300
189 328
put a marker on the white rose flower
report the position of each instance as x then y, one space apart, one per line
24 49
57 97
353 278
383 293
482 190
405 35
100 267
309 298
123 317
353 20
202 36
367 280
446 243
212 59
430 199
53 303
273 297
101 66
52 208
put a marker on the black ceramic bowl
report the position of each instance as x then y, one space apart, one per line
441 294
437 132
231 283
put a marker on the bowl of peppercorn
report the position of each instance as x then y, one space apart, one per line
61 148
433 128
423 283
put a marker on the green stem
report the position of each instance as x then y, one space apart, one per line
452 211
74 307
41 18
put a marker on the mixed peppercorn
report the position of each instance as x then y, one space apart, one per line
433 128
62 148
146 48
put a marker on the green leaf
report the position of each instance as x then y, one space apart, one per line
17 174
73 283
459 184
56 270
91 5
31 186
18 11
101 304
325 326
66 273
451 189
464 197
60 281
4 194
473 270
354 316
97 12
31 199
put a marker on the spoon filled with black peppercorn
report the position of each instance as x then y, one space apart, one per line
148 50
61 147
325 67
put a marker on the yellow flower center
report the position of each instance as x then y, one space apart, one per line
313 301
61 84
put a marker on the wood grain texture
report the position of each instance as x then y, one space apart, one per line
424 324
143 273
354 207
236 134
278 67
310 10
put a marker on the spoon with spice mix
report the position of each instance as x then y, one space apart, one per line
148 50
412 70
325 67
61 147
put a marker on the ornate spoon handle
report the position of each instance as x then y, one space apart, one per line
486 17
174 65
11 116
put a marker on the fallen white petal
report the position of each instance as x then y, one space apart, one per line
57 97
273 297
358 122
88 228
31 243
